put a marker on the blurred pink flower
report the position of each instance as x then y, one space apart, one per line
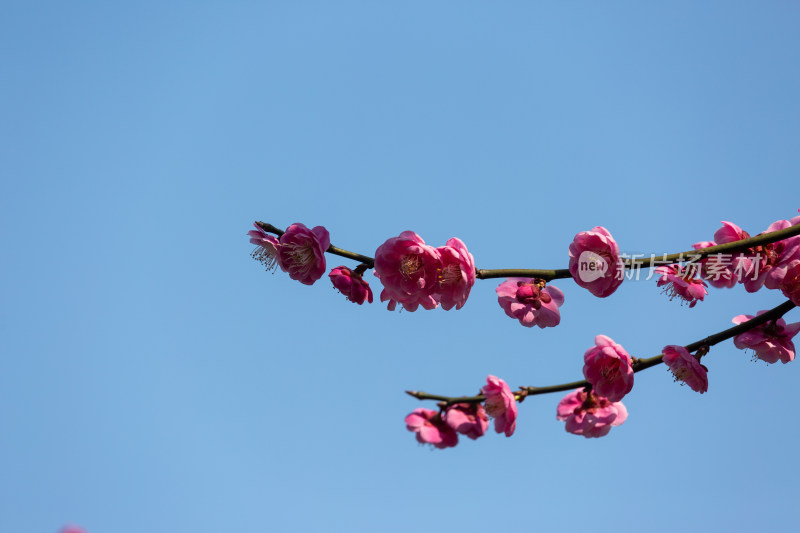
607 366
468 419
456 275
590 415
302 252
72 529
594 261
266 251
431 429
681 282
351 284
409 271
772 342
686 368
790 285
530 301
501 405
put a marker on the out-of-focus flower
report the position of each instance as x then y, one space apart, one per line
607 366
530 301
456 275
302 252
409 271
686 368
590 415
72 529
681 282
790 285
266 251
351 284
468 419
594 261
771 342
431 429
501 405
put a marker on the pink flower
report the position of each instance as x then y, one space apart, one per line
530 301
608 368
681 282
772 342
72 529
721 270
266 250
431 429
685 367
456 275
409 271
790 285
771 261
501 405
594 261
590 415
351 284
302 252
468 419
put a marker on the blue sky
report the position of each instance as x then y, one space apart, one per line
155 378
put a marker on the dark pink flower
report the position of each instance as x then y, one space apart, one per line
468 419
681 282
431 429
607 366
770 261
721 270
302 252
594 261
266 251
351 284
772 342
686 368
530 301
790 285
590 415
501 405
409 271
456 275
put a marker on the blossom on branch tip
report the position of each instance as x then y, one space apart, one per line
266 251
409 271
302 252
594 262
431 429
351 284
590 415
607 366
686 367
530 301
771 342
501 405
456 274
681 282
468 419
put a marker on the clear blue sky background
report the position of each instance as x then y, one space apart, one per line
154 378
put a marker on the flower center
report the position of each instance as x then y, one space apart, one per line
532 294
410 265
449 275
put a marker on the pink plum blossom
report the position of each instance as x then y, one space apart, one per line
72 529
302 252
686 368
266 251
501 405
607 366
721 270
530 301
681 282
456 275
468 419
590 415
770 261
409 271
351 284
594 261
790 285
772 342
431 429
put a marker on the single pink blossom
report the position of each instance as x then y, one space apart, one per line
681 282
590 415
721 270
409 271
456 275
351 284
431 429
594 261
770 261
302 252
266 251
772 342
686 368
501 405
530 301
468 419
790 285
72 529
607 366
730 232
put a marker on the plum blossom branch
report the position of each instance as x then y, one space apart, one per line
638 364
369 261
